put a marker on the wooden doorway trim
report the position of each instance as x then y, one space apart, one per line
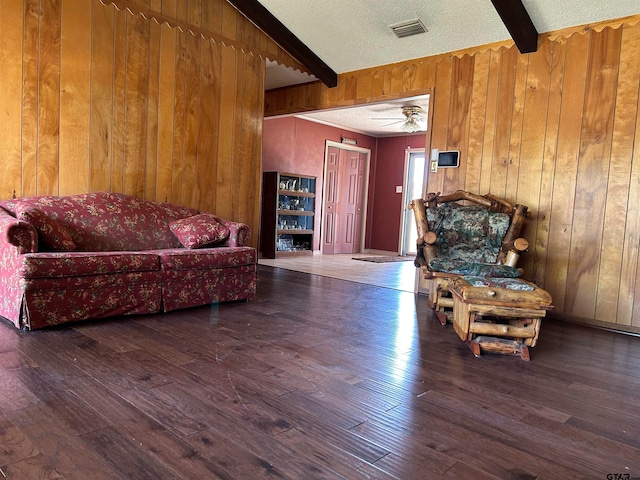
365 192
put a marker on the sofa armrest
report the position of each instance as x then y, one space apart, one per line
17 233
240 233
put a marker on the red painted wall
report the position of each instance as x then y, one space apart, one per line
387 204
298 146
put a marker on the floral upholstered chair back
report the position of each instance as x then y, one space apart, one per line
469 239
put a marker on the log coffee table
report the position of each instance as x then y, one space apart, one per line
498 315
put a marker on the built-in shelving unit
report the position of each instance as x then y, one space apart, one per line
288 210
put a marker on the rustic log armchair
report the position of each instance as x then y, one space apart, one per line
479 238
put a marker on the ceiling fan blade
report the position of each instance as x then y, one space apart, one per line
392 123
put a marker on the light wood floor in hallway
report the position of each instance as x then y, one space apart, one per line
396 275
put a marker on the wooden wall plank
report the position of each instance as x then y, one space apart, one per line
350 87
593 167
229 20
136 93
250 36
167 86
624 186
531 155
181 10
504 109
209 125
11 20
29 112
48 97
170 8
458 124
153 92
248 205
549 162
575 71
119 98
420 76
194 12
439 130
632 240
212 16
102 64
618 186
517 126
489 133
191 194
75 97
239 133
477 117
179 110
230 82
364 86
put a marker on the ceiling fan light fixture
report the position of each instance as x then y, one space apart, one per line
410 126
413 114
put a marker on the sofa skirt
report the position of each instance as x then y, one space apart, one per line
191 288
46 303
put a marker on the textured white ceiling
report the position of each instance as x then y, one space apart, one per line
354 34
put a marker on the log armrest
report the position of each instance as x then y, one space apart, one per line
513 250
17 233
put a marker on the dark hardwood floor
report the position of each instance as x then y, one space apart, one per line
318 378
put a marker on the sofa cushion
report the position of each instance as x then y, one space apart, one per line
199 230
51 233
77 264
206 258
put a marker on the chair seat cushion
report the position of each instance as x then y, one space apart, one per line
479 269
508 283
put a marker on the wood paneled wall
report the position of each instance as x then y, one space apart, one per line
99 98
557 130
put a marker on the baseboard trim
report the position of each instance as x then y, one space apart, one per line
588 322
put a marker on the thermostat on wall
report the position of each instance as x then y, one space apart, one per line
450 159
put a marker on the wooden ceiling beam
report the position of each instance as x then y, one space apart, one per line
273 27
518 22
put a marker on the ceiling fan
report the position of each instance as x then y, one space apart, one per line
413 116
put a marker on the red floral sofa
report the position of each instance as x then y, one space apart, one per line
96 255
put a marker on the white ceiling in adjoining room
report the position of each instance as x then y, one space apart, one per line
382 119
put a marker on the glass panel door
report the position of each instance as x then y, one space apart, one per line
413 185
